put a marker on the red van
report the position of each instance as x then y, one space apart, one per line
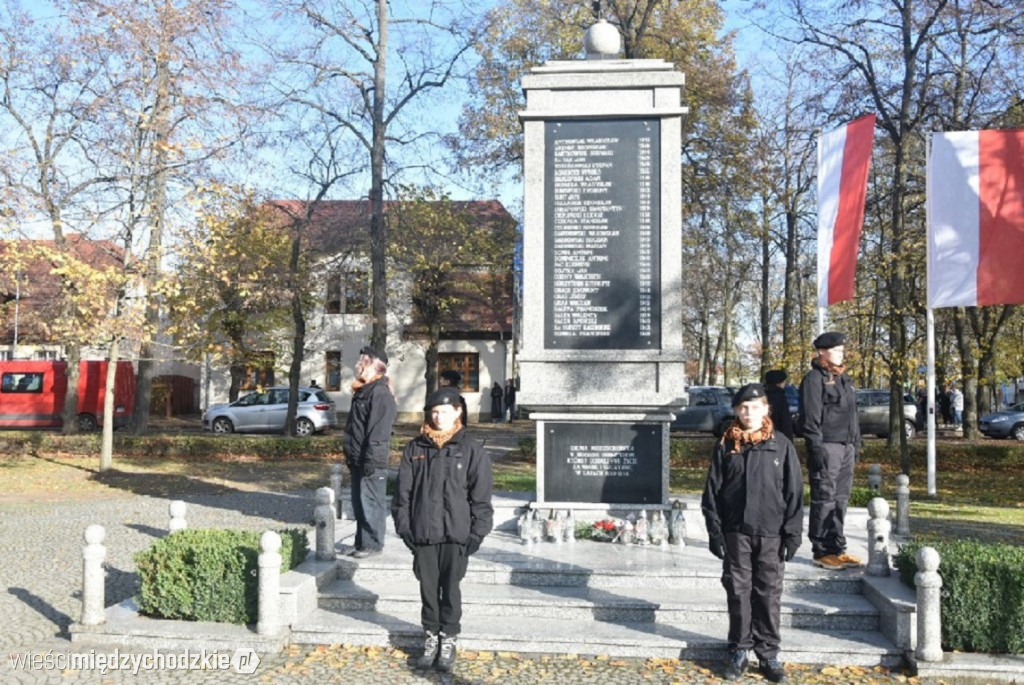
32 393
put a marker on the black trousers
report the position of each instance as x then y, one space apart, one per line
830 496
440 569
370 506
752 575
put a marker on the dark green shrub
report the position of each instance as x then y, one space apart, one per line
982 594
209 575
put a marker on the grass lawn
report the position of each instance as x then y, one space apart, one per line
980 486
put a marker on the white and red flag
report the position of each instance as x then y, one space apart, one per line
976 219
844 157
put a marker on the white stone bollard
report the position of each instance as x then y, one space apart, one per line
177 513
903 505
323 519
93 580
875 478
878 537
269 591
337 478
929 605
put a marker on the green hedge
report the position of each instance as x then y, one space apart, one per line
982 594
209 575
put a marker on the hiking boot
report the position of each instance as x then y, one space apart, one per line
430 647
446 654
850 561
830 562
773 670
737 665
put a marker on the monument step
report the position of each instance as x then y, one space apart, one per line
636 604
555 635
502 561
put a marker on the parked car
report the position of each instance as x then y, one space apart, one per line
873 413
265 411
708 410
1008 423
32 393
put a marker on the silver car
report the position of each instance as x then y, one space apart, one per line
873 413
265 411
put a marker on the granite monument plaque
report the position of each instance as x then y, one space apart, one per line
615 463
602 234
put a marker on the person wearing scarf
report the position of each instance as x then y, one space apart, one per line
753 511
831 430
442 511
367 446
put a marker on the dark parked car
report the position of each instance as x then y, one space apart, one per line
708 410
265 412
1008 423
873 413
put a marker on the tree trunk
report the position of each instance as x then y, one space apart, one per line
378 224
154 252
299 338
107 450
967 371
70 414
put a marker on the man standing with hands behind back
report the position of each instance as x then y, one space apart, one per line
368 449
828 412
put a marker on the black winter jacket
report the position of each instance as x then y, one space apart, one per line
757 491
780 410
369 424
828 411
443 494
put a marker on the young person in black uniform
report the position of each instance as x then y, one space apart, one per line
831 430
367 448
442 511
753 510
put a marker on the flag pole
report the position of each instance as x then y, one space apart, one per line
930 326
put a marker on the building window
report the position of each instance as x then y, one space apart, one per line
348 292
333 371
466 363
260 372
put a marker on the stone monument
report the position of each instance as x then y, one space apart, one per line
601 360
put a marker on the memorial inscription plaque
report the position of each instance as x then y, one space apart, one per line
615 463
602 234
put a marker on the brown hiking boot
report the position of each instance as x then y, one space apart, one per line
830 562
850 561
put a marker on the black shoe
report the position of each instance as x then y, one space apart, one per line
363 553
446 653
430 649
773 670
738 663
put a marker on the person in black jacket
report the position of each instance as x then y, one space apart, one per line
753 511
367 448
831 430
442 511
775 389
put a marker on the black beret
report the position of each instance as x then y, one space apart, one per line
750 391
775 376
441 396
452 376
828 340
372 352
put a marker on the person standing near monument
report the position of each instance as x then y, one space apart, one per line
775 389
497 394
753 511
367 446
442 511
831 430
510 400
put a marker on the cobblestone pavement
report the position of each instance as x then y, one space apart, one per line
41 547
